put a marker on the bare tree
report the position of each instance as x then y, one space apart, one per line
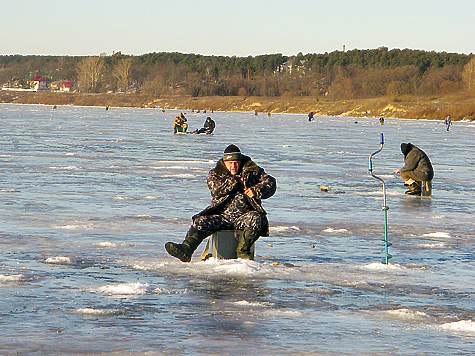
194 83
122 73
155 87
89 73
468 75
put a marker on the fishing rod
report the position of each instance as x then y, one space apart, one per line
385 207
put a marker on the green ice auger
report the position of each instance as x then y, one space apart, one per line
384 208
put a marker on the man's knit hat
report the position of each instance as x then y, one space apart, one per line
232 153
406 147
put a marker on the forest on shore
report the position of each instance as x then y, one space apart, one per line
391 77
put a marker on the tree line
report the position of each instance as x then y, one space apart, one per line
339 74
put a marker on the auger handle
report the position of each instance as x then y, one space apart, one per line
382 139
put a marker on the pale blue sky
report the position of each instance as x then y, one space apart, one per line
240 27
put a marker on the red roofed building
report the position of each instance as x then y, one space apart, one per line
66 86
39 83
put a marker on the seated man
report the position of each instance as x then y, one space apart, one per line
179 123
417 168
237 186
208 127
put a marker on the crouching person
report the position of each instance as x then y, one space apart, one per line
417 168
237 186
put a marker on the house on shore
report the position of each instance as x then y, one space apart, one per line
39 83
66 86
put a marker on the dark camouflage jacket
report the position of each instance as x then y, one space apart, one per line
227 192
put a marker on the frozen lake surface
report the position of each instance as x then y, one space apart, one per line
89 197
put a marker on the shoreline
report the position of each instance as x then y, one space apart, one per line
459 106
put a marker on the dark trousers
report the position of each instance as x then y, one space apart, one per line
209 224
415 175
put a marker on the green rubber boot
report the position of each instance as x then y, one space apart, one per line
245 243
185 250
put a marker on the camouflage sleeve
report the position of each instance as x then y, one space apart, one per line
221 185
266 185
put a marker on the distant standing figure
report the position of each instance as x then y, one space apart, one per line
310 116
55 107
448 122
381 120
107 107
417 168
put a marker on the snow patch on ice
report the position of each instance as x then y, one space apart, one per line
276 229
76 226
11 278
439 245
377 266
136 288
407 314
133 289
439 234
331 230
97 312
58 260
9 190
181 175
465 326
236 267
106 244
281 312
121 197
245 303
66 168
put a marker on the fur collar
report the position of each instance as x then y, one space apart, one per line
246 165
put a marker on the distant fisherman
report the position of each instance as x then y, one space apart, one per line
237 186
310 116
208 127
448 122
417 168
179 123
